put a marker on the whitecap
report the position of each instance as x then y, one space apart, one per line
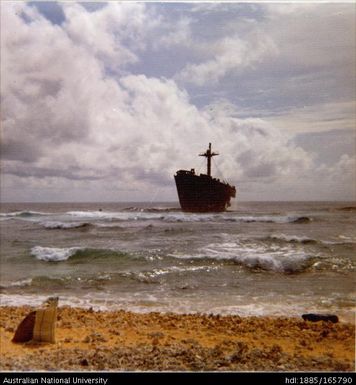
63 225
53 254
252 255
292 238
15 214
272 219
120 216
96 214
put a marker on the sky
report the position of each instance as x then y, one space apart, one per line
106 101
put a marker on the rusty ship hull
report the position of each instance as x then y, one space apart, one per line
203 193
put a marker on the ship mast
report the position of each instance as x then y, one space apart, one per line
208 154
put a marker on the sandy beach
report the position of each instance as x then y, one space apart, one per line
88 340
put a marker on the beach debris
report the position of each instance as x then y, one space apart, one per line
39 325
320 317
24 331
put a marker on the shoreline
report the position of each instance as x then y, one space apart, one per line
88 340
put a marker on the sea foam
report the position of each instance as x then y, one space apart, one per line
256 256
53 254
175 216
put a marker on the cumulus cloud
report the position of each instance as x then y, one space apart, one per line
63 116
104 31
257 150
77 124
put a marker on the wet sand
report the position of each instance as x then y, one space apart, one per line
88 340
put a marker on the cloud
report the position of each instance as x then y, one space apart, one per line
314 35
229 54
178 34
291 52
28 171
104 31
77 124
65 117
321 117
256 149
328 146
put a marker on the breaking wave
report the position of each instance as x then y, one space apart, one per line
151 209
292 239
65 225
174 215
344 241
23 214
255 256
272 219
118 216
53 254
159 214
302 220
80 254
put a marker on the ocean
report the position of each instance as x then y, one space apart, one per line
257 258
